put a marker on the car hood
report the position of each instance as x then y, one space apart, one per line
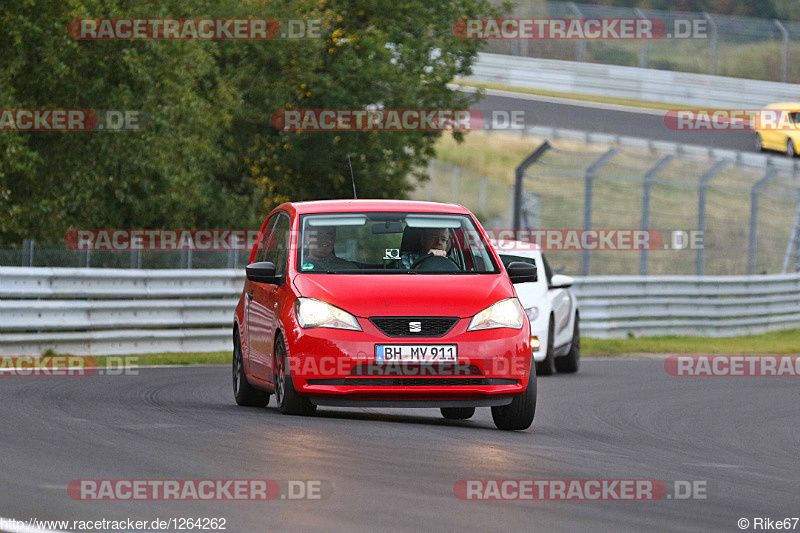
407 294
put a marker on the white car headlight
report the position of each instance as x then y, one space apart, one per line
318 314
532 312
503 314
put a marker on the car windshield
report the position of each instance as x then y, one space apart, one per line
392 243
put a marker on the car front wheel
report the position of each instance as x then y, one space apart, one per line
244 393
570 362
289 402
518 415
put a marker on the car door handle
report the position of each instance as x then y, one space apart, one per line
250 295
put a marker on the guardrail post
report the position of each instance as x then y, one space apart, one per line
136 259
794 242
87 258
701 210
753 244
186 258
784 50
27 253
644 51
519 175
588 193
649 179
713 43
580 45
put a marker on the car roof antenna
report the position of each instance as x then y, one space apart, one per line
352 177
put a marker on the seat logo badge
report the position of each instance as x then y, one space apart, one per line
414 327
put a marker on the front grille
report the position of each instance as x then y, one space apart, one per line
407 326
412 382
416 369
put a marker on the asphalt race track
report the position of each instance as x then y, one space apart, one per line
394 470
589 116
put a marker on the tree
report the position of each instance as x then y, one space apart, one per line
210 157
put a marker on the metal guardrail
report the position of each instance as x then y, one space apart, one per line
711 306
108 311
681 88
89 311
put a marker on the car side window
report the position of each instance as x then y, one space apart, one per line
267 241
277 249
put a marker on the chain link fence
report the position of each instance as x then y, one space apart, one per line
748 219
713 216
741 47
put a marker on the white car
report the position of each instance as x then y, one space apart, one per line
551 308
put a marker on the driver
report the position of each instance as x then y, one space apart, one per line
433 242
319 243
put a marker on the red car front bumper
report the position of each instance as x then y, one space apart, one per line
339 367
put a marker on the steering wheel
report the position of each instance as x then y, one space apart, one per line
420 259
436 262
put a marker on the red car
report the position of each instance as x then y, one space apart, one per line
385 303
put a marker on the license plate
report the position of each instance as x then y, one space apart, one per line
385 353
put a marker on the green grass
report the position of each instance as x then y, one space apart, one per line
151 359
780 342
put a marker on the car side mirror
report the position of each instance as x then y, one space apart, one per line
263 272
520 272
560 281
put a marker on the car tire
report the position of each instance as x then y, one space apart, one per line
289 402
569 363
759 143
457 413
244 393
790 150
546 367
519 414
